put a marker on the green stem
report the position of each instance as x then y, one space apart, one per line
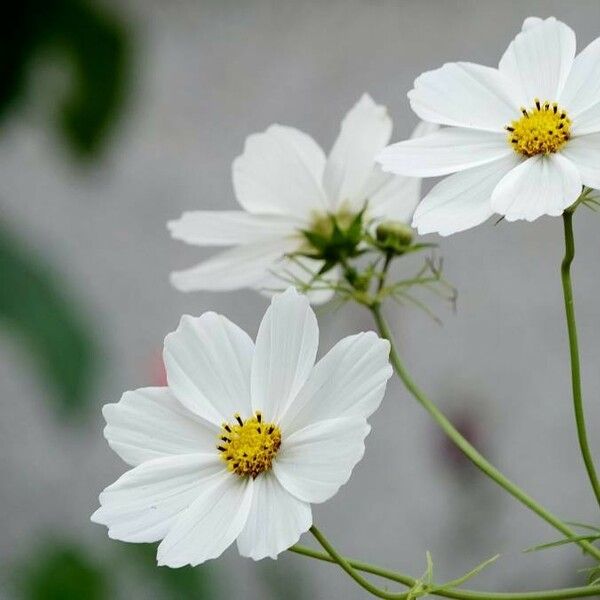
342 562
462 594
386 265
565 272
469 450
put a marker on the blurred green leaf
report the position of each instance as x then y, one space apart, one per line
34 306
277 577
61 571
185 582
94 43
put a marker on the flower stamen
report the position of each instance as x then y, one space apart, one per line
249 447
543 129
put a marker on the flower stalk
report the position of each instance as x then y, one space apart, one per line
565 272
450 592
346 566
469 450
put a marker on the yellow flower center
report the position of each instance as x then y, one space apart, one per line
249 447
543 129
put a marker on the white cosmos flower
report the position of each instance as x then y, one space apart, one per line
244 438
285 184
521 139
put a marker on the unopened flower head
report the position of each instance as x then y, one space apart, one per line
394 236
287 188
244 437
521 139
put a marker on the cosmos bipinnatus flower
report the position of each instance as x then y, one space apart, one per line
244 437
521 139
285 185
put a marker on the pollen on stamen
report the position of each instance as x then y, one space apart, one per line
249 447
543 129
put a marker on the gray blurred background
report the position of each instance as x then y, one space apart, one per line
198 77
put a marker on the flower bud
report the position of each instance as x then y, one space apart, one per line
394 234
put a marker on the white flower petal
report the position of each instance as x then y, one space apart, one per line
541 185
236 268
582 89
462 200
587 121
229 227
280 172
349 381
210 524
443 152
584 152
151 423
144 503
424 128
208 361
314 462
539 59
530 22
276 520
466 95
286 346
365 130
394 197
